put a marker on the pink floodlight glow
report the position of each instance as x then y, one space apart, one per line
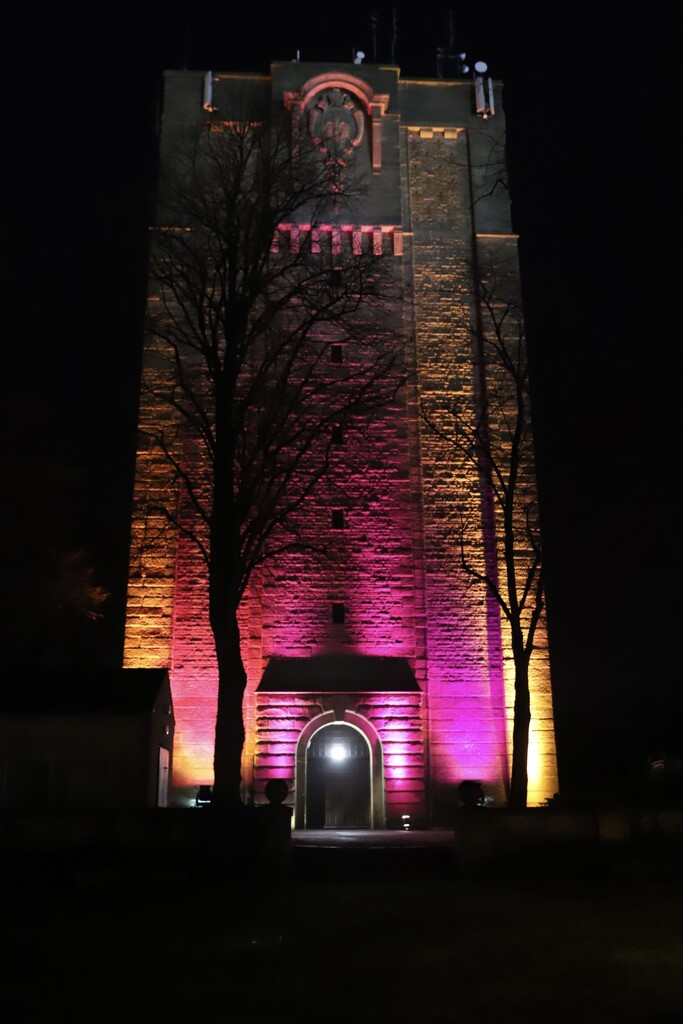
372 574
370 562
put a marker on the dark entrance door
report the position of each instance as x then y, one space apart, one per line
338 779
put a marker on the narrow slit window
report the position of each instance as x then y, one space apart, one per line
337 518
337 612
338 434
336 353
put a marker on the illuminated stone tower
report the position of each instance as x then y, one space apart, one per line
381 677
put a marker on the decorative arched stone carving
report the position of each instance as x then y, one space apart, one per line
336 124
340 92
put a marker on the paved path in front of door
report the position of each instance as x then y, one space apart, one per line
376 838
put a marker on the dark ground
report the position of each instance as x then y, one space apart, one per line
358 935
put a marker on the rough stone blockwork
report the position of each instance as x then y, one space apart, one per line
377 571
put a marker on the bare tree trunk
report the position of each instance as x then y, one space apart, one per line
224 590
520 729
232 679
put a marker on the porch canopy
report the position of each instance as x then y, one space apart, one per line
338 673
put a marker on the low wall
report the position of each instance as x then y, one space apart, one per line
486 836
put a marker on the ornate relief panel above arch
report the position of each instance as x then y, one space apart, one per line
334 107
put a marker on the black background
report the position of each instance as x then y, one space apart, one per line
593 113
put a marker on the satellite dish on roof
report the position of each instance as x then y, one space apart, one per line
481 67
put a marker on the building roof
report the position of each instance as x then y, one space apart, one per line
338 673
82 692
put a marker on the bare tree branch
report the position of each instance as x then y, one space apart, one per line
499 444
252 284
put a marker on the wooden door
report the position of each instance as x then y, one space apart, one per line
338 779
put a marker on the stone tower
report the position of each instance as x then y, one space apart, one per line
380 671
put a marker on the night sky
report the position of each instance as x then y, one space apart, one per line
593 113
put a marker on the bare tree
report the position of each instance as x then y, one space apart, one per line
497 440
254 285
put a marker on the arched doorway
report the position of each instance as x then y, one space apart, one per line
338 778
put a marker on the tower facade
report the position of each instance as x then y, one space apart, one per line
379 656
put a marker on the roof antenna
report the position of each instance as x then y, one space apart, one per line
374 22
450 64
394 34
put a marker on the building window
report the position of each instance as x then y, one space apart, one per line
337 434
336 353
337 612
337 518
